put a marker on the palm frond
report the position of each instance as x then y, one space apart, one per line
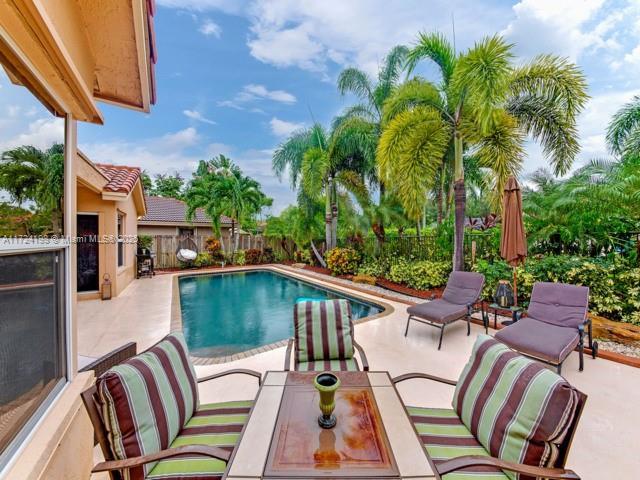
389 74
353 80
359 110
411 94
315 168
289 154
435 47
623 132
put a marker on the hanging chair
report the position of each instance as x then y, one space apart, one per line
187 250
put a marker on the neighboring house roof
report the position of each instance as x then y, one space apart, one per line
171 211
121 178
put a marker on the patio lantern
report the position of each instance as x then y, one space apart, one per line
106 287
504 294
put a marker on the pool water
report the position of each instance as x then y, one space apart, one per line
223 314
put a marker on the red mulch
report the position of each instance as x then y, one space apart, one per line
399 288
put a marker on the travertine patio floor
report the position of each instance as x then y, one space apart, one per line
605 444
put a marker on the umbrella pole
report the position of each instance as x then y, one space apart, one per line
515 288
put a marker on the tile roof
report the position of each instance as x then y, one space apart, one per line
121 178
171 210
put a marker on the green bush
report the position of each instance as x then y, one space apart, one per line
342 261
421 275
252 256
267 255
203 260
239 258
145 241
375 267
302 256
614 287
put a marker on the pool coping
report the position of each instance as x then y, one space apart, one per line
176 312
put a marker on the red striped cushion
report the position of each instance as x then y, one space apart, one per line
323 330
147 400
516 408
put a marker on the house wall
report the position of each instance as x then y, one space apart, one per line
172 230
92 202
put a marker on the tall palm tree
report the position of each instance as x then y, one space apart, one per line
623 133
317 163
362 125
30 174
483 105
220 188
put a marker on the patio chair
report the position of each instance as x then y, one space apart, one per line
461 293
511 418
554 325
150 424
323 338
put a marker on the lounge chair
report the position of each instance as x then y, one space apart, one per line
554 325
323 338
147 417
461 293
511 418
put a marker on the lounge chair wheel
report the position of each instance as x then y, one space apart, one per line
594 350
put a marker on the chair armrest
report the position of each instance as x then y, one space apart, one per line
242 371
363 357
459 463
213 452
425 376
287 355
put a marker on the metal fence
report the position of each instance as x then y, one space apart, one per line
165 246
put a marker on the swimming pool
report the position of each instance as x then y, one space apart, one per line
228 313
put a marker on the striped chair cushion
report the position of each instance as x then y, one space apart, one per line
214 424
516 408
323 330
147 400
347 365
445 437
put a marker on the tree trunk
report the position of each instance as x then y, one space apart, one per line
418 229
334 214
460 199
327 216
439 203
56 222
318 256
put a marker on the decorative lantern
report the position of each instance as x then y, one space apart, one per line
106 287
504 294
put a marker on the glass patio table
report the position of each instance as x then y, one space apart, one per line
373 438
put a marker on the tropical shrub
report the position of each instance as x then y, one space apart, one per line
614 287
375 267
145 241
302 256
214 247
421 275
203 260
342 261
267 255
252 256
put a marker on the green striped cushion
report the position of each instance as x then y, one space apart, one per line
214 424
348 365
445 437
147 400
517 409
323 330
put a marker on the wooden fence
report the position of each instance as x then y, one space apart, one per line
165 246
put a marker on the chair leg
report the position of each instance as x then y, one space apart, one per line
468 325
406 330
441 334
559 368
581 353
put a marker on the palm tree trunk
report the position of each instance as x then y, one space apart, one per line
318 256
334 214
439 195
327 217
460 199
232 240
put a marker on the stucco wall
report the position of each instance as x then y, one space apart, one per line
92 202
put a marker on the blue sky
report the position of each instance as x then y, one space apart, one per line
236 77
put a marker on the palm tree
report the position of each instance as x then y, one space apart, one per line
220 188
484 106
362 125
28 173
318 164
623 133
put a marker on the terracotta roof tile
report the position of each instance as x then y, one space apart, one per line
171 210
121 178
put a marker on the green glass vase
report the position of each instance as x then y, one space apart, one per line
327 383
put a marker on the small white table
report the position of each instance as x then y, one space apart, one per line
282 425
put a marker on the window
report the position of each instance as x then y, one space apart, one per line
120 239
33 354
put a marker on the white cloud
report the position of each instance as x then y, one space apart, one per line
210 28
254 92
197 116
633 57
180 139
282 128
41 133
227 6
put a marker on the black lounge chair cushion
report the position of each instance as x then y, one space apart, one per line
540 340
438 311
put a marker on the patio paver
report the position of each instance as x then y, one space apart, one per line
603 448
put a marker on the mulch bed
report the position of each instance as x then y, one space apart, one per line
399 288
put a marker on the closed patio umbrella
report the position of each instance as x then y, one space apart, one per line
513 242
